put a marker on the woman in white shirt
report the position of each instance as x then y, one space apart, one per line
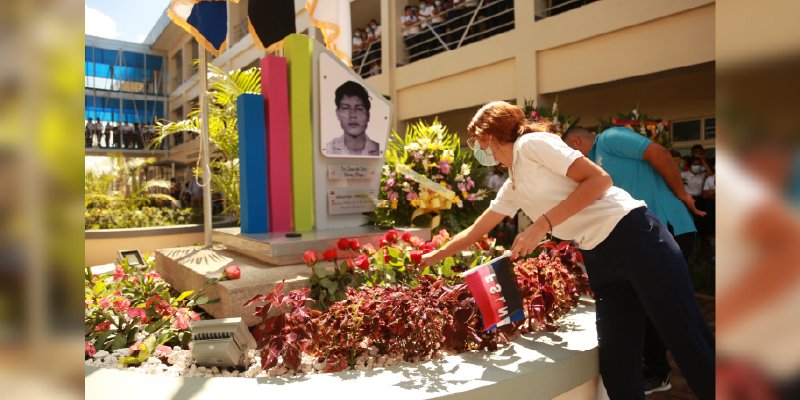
635 268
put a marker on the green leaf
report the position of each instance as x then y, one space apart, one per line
129 360
101 339
185 295
120 341
339 296
447 271
390 276
394 253
449 262
99 287
329 284
320 270
202 299
146 348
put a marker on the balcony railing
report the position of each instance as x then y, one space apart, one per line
128 137
462 25
367 62
555 7
238 32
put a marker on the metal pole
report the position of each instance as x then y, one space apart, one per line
204 139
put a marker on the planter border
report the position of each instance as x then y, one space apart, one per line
154 230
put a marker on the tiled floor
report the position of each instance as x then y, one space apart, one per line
680 389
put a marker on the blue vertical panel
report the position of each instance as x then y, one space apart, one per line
252 164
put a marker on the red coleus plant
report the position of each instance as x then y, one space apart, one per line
286 329
412 322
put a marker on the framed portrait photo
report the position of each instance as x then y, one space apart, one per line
354 119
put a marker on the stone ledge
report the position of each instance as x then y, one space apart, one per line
186 268
543 365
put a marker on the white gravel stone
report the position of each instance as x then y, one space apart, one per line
101 354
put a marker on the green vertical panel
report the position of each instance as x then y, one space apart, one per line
298 52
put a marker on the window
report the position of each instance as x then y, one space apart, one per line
688 133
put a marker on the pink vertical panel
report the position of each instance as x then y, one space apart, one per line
275 89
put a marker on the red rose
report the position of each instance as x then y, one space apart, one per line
354 245
416 256
382 243
484 245
392 236
310 257
406 236
329 255
232 272
427 248
362 262
343 244
386 257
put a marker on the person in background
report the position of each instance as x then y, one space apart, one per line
358 46
710 198
425 37
376 29
693 180
648 172
496 179
438 18
186 195
635 267
175 192
410 31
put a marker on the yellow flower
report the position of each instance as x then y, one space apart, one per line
394 204
384 203
443 183
464 194
415 203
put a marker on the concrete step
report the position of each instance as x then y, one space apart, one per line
277 248
186 268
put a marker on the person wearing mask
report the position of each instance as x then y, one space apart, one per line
635 267
426 38
376 29
693 180
647 171
410 31
358 47
438 18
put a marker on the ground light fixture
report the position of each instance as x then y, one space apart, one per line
133 257
221 342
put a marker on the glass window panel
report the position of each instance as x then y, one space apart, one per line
710 128
686 130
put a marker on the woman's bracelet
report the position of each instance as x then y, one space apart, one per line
550 224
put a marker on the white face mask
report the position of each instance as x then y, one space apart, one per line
484 157
698 169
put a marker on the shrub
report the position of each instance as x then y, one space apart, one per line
412 322
120 218
136 308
